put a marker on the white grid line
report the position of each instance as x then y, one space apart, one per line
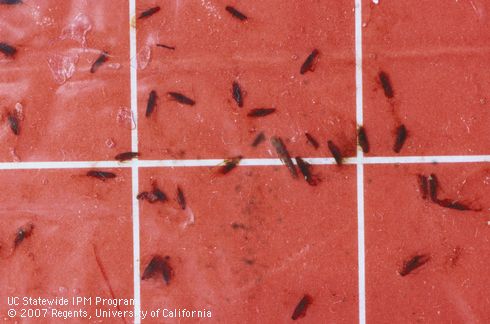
133 66
435 159
360 166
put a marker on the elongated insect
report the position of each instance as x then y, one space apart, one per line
433 184
181 198
312 140
423 185
145 195
305 169
158 265
433 187
149 12
152 102
309 62
451 204
153 196
126 156
103 57
159 194
235 13
181 98
152 267
167 270
8 50
166 46
414 263
101 175
302 307
237 94
385 81
446 203
237 226
401 136
23 233
283 154
230 164
362 139
337 155
10 2
14 124
258 139
249 261
260 112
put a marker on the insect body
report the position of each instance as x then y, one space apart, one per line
337 155
23 233
385 81
237 94
235 13
152 102
181 98
101 175
414 263
159 265
283 154
300 310
103 57
7 50
309 62
149 12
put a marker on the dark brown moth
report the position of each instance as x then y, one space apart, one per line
235 13
423 186
126 156
236 93
14 124
413 263
261 112
305 169
337 155
230 164
284 155
10 2
101 175
309 62
7 50
181 198
103 57
149 12
302 307
401 137
180 98
166 46
23 233
385 81
152 102
159 265
258 139
312 140
153 196
362 139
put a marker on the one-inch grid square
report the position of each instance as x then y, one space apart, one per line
64 112
401 224
250 244
264 55
436 56
64 235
